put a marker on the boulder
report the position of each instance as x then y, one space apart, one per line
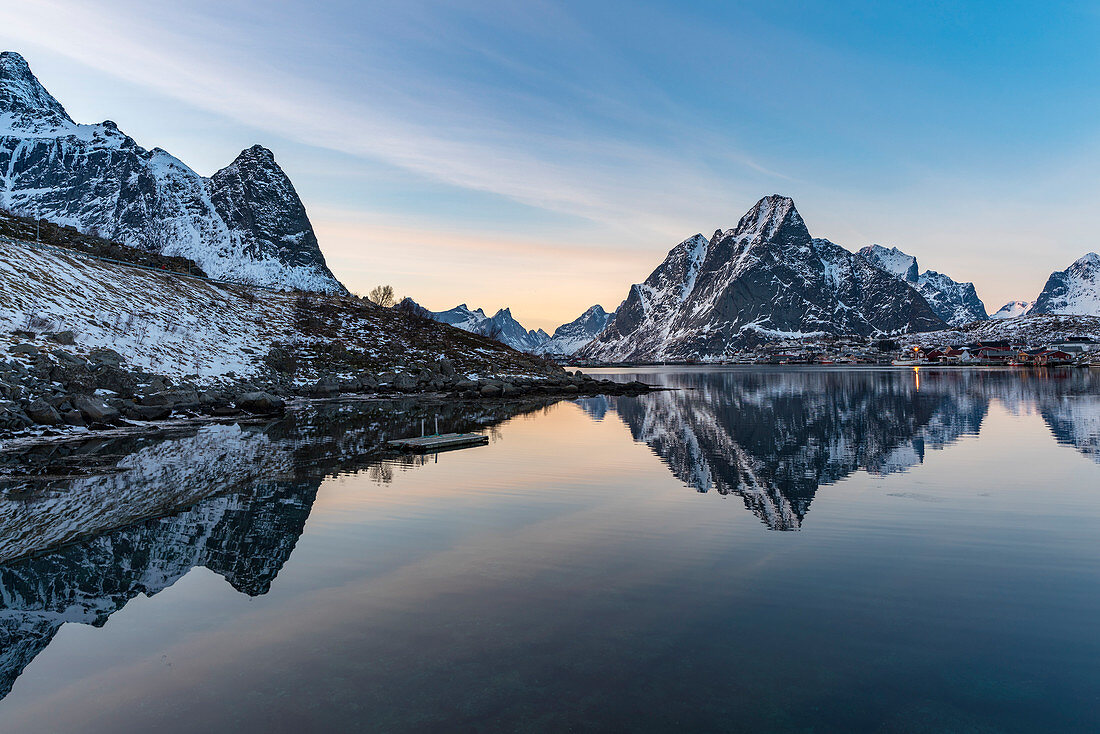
68 358
326 387
214 398
184 400
154 399
108 377
95 410
404 382
42 412
446 367
352 384
75 377
30 349
66 337
282 361
146 412
73 418
105 356
12 417
260 403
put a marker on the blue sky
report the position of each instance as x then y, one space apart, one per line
545 155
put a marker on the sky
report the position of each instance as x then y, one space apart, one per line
545 155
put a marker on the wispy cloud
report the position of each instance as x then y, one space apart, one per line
430 130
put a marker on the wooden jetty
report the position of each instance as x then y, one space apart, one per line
440 442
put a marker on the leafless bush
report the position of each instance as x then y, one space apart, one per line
38 324
382 295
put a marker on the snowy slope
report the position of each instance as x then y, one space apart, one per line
244 223
1034 330
1013 309
1075 290
569 338
765 278
954 302
171 474
176 325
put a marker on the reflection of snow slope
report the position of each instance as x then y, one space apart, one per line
244 537
160 477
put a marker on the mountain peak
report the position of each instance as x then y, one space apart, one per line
772 219
1073 291
256 153
893 261
24 100
1013 309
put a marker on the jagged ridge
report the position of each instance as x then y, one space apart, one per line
767 277
244 223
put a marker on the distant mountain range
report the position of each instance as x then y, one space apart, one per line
765 279
503 327
956 303
768 278
244 223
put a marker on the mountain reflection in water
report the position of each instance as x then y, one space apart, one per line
248 491
76 545
773 436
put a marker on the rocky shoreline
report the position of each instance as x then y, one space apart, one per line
48 391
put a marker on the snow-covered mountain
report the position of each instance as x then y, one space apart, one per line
501 326
1013 309
461 317
765 278
1075 290
504 328
569 338
244 223
954 302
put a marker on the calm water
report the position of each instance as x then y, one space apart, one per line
764 550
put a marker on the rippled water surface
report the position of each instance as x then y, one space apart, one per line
760 550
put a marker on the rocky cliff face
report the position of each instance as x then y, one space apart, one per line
244 223
1074 291
765 278
956 303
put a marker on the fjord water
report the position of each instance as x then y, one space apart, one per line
761 550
